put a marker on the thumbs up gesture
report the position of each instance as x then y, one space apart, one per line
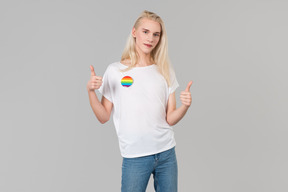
185 96
95 82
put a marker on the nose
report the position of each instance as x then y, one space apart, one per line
150 38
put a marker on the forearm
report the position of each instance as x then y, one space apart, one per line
176 115
97 107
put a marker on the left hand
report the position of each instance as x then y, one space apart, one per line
185 96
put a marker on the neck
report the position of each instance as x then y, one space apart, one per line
144 59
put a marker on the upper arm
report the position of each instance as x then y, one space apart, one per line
107 105
171 105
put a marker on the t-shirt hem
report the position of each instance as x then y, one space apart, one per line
150 153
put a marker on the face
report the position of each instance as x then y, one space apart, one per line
147 35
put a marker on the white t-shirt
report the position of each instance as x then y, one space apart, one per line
139 98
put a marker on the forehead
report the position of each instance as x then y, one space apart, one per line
150 25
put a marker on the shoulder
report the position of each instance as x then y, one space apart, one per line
112 66
126 62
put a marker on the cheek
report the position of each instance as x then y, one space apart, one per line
157 41
140 38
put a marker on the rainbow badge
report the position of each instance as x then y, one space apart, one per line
126 81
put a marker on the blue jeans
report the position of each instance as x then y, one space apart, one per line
137 171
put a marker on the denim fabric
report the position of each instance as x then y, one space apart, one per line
137 171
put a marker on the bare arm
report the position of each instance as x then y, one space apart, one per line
175 115
102 110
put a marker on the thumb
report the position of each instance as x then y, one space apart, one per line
188 86
92 71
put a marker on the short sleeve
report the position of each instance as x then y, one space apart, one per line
174 83
105 88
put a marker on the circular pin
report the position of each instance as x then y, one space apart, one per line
126 81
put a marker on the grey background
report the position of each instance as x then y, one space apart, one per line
233 138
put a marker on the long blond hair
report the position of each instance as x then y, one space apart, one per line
159 55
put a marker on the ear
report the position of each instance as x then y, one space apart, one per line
133 32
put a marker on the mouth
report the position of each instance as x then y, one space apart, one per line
148 45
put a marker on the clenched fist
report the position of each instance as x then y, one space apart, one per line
95 82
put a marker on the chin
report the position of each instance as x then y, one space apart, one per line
147 52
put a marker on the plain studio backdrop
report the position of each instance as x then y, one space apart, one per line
232 139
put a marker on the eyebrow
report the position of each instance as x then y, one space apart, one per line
148 30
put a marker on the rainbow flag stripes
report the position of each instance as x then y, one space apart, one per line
126 81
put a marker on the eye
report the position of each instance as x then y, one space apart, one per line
156 35
144 31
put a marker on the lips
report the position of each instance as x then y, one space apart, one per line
148 45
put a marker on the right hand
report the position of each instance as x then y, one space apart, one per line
95 82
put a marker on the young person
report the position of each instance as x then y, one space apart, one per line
139 91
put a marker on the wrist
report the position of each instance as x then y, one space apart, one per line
90 90
185 106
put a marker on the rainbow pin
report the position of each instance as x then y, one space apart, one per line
126 81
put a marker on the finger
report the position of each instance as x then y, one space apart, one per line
96 83
92 71
185 96
96 78
188 86
187 104
186 100
185 93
